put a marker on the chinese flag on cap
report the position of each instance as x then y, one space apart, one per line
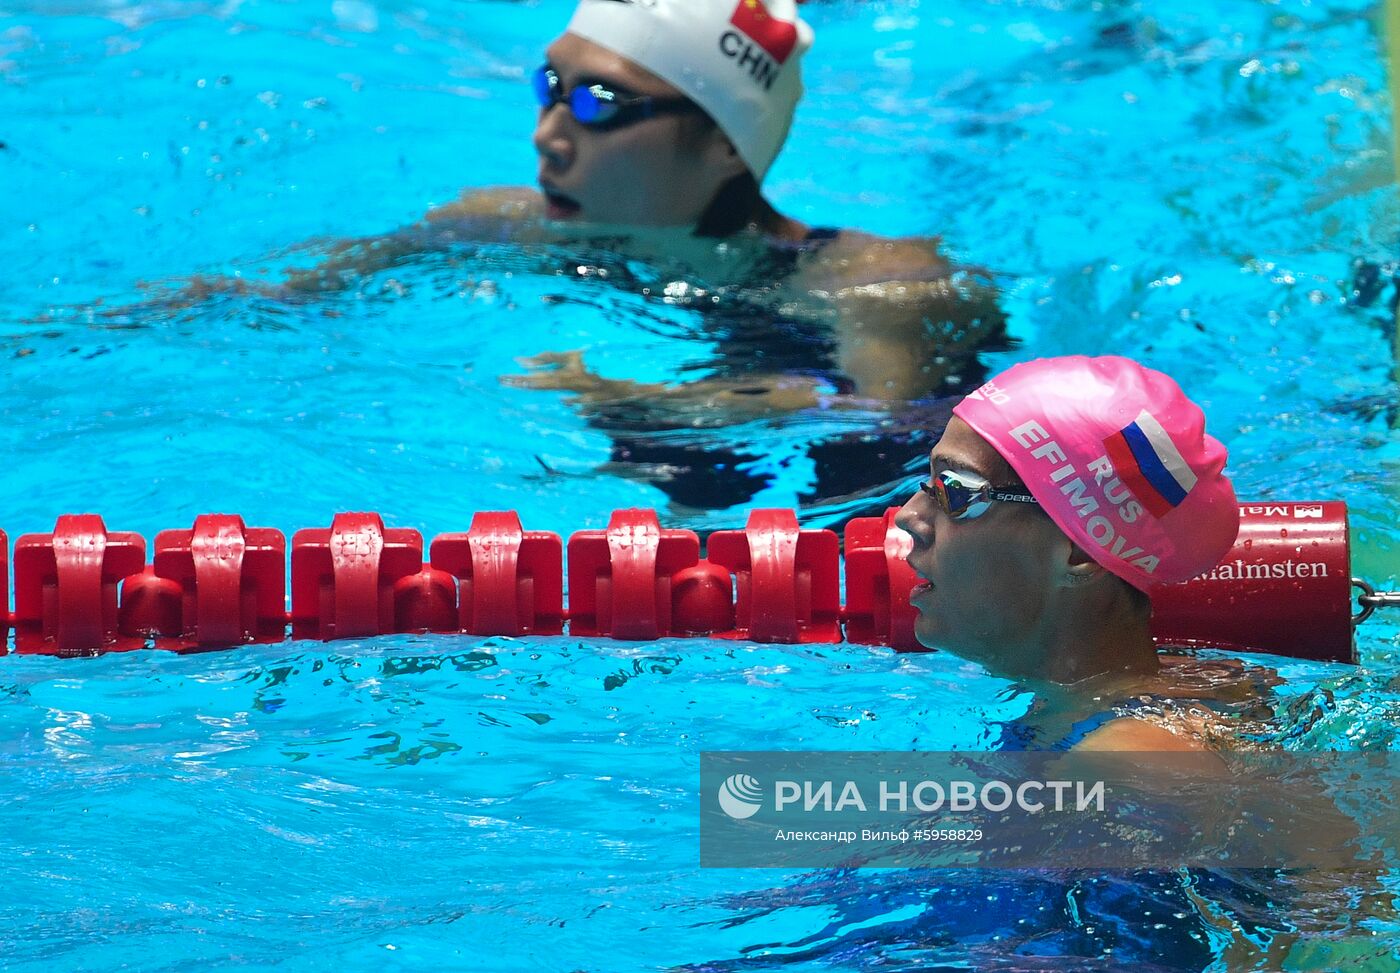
777 37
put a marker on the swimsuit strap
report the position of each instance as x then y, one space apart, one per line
1084 727
1017 735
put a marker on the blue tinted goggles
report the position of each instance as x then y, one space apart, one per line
599 107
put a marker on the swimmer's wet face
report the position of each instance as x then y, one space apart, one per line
987 579
660 170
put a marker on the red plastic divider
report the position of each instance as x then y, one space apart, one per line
4 587
878 582
66 587
702 600
623 581
788 579
218 584
149 606
1284 588
359 579
510 581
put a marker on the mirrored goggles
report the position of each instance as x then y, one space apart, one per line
597 106
965 496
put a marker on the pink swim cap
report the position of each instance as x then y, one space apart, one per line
1118 457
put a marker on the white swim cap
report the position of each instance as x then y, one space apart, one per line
737 59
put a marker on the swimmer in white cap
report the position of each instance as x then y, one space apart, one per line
658 122
661 118
670 113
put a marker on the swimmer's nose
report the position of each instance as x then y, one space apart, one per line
553 140
912 520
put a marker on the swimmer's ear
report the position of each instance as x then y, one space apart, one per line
1080 569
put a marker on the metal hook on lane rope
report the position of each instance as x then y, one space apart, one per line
1370 599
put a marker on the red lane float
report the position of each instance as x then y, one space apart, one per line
787 579
622 580
66 587
4 585
218 584
1284 588
878 582
510 580
358 579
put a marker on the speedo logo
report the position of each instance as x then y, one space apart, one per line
761 43
991 392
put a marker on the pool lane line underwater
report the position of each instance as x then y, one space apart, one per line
1284 588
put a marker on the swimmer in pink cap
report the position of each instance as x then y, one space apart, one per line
1061 493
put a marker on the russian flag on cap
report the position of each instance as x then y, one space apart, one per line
1148 462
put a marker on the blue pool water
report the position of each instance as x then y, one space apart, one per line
1186 185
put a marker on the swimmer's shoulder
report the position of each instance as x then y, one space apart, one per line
836 259
1189 704
503 202
1128 734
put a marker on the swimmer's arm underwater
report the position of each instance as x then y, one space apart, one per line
498 214
495 215
707 402
907 327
